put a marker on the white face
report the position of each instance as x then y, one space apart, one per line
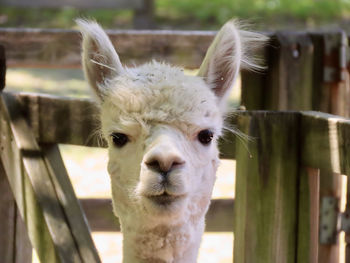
161 126
162 159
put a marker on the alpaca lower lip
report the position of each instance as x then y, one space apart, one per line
164 199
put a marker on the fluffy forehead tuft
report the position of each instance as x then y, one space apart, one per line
157 92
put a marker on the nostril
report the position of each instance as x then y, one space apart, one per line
164 166
158 167
178 163
153 164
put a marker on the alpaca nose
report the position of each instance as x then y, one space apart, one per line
164 163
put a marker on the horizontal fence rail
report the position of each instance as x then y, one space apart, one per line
304 70
65 120
55 48
56 119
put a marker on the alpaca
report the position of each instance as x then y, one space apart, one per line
162 128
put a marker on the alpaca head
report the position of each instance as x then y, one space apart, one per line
161 127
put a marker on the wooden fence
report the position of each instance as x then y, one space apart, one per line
287 194
306 71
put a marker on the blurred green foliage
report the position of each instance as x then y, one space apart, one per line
61 18
213 13
195 14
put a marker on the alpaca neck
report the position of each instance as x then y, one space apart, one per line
162 244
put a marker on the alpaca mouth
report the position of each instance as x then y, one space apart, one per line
165 199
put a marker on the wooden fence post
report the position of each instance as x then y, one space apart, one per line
15 246
331 94
254 84
7 219
323 146
330 77
143 17
2 67
308 215
7 203
265 216
347 234
287 84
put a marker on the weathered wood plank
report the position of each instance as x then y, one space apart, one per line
227 143
61 120
35 194
254 88
308 218
144 16
330 186
314 193
24 194
74 121
13 145
325 142
55 48
291 85
100 216
324 147
15 246
72 209
330 75
2 67
7 219
56 119
219 216
23 250
291 61
286 84
344 145
347 234
88 4
265 215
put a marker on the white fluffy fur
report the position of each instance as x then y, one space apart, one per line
162 111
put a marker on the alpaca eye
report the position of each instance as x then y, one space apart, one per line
119 139
205 136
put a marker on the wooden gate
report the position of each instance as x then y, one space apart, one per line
287 195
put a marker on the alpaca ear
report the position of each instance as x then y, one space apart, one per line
100 61
229 51
221 64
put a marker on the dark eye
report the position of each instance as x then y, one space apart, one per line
119 139
205 136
